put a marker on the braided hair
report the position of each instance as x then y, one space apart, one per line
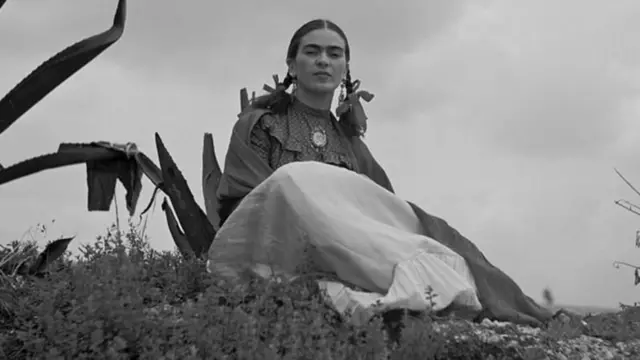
279 100
348 85
350 129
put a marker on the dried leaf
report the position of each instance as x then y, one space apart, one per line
51 253
67 154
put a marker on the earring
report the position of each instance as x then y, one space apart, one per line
294 85
342 96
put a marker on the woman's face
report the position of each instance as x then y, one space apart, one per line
320 63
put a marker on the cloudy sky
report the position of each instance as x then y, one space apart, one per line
504 117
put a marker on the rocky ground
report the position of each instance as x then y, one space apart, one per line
570 336
552 343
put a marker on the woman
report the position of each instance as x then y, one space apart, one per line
300 188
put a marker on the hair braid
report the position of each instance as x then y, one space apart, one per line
350 128
348 85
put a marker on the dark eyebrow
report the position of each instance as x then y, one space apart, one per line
318 47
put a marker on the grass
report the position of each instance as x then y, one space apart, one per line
120 299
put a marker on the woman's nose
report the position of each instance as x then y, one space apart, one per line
323 60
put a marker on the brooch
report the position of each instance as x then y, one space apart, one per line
319 137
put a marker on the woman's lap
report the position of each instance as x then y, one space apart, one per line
356 229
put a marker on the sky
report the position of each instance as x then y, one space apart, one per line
506 118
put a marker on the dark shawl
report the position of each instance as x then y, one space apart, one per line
501 298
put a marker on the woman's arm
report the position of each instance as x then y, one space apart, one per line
260 141
253 140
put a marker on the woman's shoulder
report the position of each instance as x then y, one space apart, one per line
252 116
266 120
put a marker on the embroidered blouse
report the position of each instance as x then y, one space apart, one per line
284 139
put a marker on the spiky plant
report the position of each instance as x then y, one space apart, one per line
192 228
198 227
20 260
635 209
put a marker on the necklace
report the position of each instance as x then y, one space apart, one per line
318 138
317 133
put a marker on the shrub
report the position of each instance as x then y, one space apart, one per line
121 299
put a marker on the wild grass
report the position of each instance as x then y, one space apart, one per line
121 299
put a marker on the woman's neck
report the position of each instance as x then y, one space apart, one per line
315 101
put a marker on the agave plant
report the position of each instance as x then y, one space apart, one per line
192 228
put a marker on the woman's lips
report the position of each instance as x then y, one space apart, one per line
322 75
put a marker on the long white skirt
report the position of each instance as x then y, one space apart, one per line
342 223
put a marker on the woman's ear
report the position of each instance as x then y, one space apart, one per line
291 65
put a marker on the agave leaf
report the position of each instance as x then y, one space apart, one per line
51 253
244 99
193 220
53 72
178 236
211 175
68 154
150 169
90 153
